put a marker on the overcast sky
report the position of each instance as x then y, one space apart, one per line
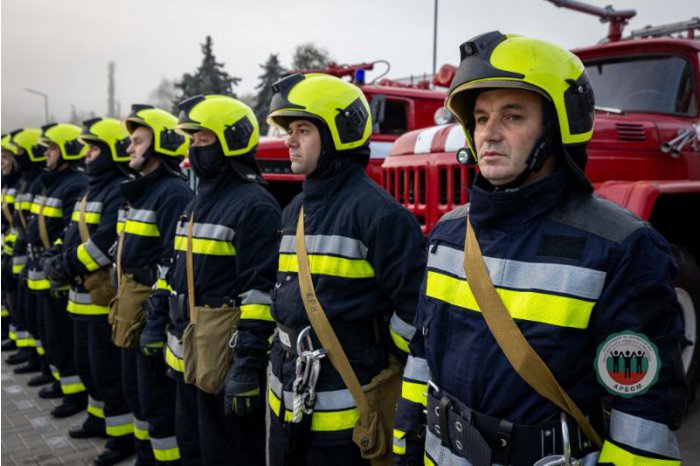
62 47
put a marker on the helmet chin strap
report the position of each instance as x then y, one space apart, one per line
540 153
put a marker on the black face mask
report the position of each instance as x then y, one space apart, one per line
207 162
103 163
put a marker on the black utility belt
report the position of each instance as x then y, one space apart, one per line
179 304
484 440
353 336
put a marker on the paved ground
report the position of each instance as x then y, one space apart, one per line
31 436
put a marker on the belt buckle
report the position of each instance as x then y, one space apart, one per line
565 459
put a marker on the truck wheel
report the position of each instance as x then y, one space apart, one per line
688 291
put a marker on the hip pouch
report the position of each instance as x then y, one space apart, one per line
126 312
206 351
99 285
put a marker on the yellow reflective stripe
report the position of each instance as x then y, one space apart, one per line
414 392
56 375
427 461
329 265
96 411
256 311
611 453
171 454
34 208
87 309
90 217
38 285
86 260
211 247
399 443
140 434
321 421
174 362
40 350
13 336
72 385
276 405
141 229
53 212
163 285
120 226
399 341
17 268
5 313
527 305
118 426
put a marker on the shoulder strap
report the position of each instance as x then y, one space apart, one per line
120 246
524 359
6 210
82 225
41 220
189 264
322 327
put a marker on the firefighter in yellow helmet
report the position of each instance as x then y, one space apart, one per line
553 283
85 263
154 202
233 223
365 255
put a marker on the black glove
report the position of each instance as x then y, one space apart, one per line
56 270
242 394
152 339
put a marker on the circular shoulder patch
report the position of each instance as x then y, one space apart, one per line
627 364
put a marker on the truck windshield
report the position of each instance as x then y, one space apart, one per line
660 84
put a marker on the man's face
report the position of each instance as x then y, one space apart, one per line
508 124
304 143
7 165
92 153
53 156
141 140
204 137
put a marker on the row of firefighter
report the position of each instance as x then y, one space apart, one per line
217 328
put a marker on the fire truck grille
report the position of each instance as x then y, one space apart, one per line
630 132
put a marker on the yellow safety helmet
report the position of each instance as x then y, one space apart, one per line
7 144
28 140
109 131
232 121
340 105
166 140
494 60
65 136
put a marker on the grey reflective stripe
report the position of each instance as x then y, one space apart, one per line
416 369
11 191
643 434
116 421
95 404
94 207
175 345
54 369
142 215
402 328
53 202
96 253
79 298
441 455
72 380
557 278
36 275
255 297
19 260
400 442
206 231
121 215
327 244
39 344
167 443
140 425
331 400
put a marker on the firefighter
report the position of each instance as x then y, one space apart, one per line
62 182
10 182
366 259
577 278
155 200
234 233
31 160
85 262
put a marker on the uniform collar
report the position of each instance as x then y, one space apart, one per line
133 189
325 188
516 206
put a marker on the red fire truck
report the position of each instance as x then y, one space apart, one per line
644 155
397 107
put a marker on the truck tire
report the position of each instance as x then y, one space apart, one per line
688 292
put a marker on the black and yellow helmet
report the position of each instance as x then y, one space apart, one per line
7 144
28 140
108 131
65 136
340 105
232 121
166 140
494 60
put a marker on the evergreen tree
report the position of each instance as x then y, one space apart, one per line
209 78
309 57
272 71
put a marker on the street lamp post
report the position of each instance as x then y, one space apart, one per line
46 102
435 38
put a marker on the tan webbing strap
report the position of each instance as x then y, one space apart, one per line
524 359
189 264
82 225
120 246
322 327
43 231
22 219
6 211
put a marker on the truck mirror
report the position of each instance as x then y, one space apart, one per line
377 107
